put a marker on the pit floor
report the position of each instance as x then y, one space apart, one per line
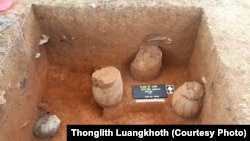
69 96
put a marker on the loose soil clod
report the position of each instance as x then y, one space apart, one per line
44 39
2 99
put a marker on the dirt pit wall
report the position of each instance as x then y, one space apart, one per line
106 36
23 80
82 40
205 67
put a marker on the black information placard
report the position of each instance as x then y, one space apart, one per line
149 91
157 132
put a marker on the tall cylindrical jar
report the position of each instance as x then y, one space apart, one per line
107 86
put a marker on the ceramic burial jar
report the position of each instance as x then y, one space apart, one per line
187 99
107 86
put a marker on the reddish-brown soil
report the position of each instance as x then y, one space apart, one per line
59 81
68 95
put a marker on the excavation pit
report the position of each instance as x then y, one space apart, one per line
55 77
